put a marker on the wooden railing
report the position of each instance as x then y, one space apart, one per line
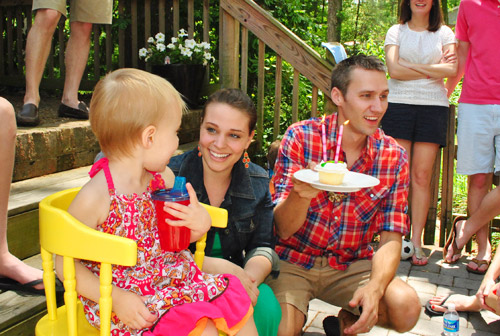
238 18
114 46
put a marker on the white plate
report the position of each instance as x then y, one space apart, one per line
352 181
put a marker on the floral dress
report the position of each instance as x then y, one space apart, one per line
169 279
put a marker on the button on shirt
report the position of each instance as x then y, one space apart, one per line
342 229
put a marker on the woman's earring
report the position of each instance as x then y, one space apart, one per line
199 151
246 159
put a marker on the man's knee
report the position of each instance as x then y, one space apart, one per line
47 19
81 30
403 306
480 181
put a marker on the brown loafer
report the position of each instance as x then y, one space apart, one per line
28 116
82 112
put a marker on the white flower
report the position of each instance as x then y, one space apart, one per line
143 52
204 45
182 33
207 56
171 46
151 40
174 39
160 37
190 44
186 52
160 47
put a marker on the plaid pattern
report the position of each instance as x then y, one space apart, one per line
343 229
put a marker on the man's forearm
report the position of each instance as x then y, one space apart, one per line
385 261
291 214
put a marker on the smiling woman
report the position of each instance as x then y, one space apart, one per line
420 52
220 172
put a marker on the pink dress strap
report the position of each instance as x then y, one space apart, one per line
104 165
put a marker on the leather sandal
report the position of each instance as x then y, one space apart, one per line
28 116
451 242
479 263
82 112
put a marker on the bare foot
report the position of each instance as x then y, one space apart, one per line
13 268
462 302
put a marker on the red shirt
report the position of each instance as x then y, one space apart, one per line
478 22
343 229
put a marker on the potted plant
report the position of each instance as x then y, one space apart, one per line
181 61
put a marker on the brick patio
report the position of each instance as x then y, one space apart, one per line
434 278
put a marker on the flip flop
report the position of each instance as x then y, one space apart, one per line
419 254
479 263
451 241
431 312
29 287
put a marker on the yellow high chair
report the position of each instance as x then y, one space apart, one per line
62 234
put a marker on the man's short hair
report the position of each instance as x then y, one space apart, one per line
341 74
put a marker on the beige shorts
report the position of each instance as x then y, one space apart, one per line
297 286
91 11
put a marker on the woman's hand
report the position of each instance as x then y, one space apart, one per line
193 216
448 57
131 310
488 286
249 283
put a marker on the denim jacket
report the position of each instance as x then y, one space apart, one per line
248 201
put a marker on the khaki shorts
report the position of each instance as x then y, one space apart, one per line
90 11
297 286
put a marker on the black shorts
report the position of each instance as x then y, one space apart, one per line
416 123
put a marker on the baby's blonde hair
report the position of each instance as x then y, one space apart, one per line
125 102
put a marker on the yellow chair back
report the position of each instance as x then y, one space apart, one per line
62 234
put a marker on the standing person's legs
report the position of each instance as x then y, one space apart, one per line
422 164
37 51
83 13
487 210
77 52
479 186
478 127
10 266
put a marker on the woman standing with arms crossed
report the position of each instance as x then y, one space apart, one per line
223 176
420 52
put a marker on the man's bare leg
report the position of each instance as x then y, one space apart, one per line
77 53
37 51
479 186
292 321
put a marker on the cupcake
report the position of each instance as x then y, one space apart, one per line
331 173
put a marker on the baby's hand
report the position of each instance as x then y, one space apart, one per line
194 216
131 310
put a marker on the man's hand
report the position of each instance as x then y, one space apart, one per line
303 189
368 299
131 310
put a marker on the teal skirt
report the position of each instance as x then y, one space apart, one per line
267 311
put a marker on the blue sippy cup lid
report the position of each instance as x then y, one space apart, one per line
177 193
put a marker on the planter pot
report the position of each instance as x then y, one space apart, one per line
186 78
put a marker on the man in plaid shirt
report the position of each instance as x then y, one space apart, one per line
324 243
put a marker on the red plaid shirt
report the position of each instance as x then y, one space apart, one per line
342 230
